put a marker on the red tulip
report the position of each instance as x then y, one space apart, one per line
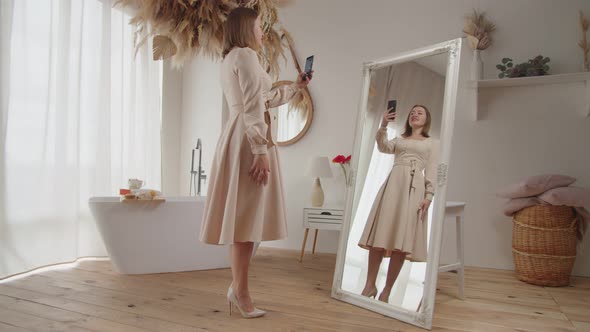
339 159
348 158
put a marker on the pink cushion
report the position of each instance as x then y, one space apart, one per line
535 185
516 204
570 196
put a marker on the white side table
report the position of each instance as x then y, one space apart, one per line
320 218
455 210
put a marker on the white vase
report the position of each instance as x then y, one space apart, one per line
317 194
477 66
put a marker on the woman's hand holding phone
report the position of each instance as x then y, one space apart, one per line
388 117
303 79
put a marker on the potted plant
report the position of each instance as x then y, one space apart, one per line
538 66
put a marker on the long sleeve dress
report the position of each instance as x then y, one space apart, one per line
394 222
236 208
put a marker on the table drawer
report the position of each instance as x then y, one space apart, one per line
324 213
323 216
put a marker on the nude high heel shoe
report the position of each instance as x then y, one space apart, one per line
233 300
372 293
384 297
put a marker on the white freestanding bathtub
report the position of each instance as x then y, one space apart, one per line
153 237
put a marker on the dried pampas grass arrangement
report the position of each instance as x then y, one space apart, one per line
183 28
584 24
478 30
300 103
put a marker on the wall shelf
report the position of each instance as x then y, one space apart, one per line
583 77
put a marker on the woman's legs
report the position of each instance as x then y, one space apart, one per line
241 253
375 258
395 265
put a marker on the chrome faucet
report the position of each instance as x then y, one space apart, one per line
198 174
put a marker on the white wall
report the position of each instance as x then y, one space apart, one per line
201 118
521 133
171 122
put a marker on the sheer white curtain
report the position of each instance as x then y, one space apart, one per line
410 84
80 115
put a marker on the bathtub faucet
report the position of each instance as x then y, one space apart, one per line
198 174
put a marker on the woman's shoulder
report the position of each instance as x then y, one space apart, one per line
242 52
242 57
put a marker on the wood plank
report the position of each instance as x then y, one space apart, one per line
498 315
34 323
582 326
64 316
92 296
500 297
128 303
131 319
11 328
310 308
190 314
187 295
575 313
449 324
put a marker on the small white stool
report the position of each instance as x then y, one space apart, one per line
455 210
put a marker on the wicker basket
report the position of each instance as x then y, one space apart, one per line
544 244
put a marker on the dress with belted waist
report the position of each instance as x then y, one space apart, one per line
394 222
236 208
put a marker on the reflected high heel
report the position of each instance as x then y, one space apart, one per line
386 300
233 300
372 293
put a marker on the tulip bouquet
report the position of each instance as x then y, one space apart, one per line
344 162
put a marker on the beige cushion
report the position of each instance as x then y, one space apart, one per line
535 185
570 196
516 204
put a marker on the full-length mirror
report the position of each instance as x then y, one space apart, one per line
292 120
389 248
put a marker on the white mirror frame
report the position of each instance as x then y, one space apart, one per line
423 318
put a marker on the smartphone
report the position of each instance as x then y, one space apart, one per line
391 105
309 65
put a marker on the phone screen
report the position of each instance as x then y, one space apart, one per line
391 105
309 65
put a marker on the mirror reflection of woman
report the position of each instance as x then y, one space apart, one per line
397 223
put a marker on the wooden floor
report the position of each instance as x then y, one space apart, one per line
297 297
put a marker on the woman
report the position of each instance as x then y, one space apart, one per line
245 199
397 223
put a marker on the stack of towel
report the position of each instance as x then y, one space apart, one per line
549 189
143 194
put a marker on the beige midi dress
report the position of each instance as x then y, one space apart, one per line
394 222
236 208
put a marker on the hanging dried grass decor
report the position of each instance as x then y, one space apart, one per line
183 28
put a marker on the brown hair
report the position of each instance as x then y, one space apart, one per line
238 30
426 128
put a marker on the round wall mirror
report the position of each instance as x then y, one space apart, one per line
291 121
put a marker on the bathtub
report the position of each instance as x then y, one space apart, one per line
154 237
